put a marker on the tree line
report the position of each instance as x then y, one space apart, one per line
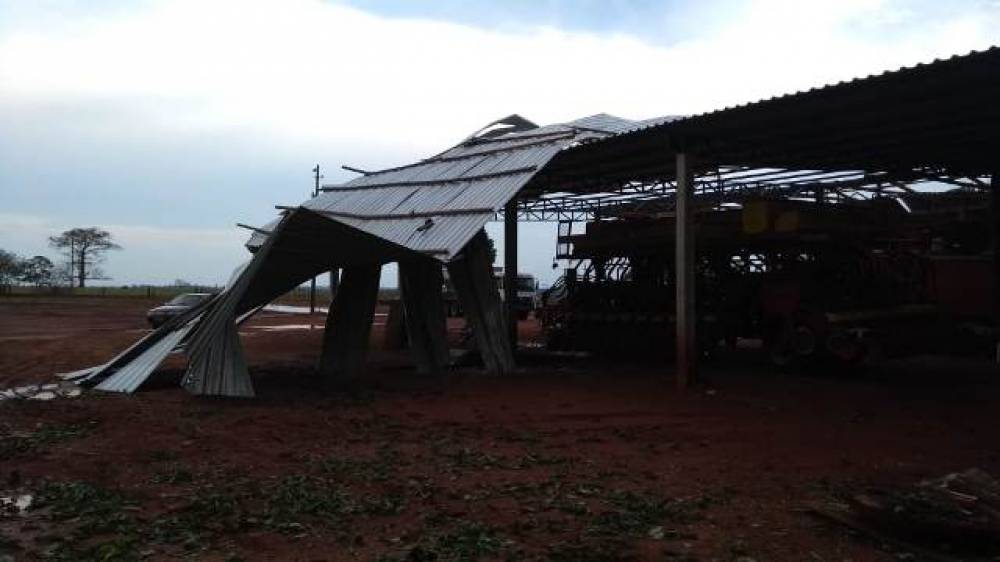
82 250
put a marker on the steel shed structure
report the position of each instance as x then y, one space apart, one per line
881 135
878 135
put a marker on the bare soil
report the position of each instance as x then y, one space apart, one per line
569 459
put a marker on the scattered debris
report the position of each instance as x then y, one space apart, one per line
15 504
80 374
41 392
957 513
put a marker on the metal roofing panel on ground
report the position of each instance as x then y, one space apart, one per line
131 376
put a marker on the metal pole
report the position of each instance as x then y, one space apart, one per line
312 296
510 268
312 282
687 358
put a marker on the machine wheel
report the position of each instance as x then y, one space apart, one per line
780 349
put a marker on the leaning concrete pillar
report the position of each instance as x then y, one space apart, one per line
420 284
687 356
349 324
472 275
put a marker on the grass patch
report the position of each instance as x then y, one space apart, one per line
14 443
100 526
465 457
173 473
96 509
634 514
468 458
608 551
163 455
297 497
381 468
464 540
94 523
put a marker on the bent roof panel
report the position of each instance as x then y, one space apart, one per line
436 205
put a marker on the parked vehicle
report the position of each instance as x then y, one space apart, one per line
527 292
177 305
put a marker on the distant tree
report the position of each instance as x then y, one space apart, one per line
10 268
84 248
37 271
182 283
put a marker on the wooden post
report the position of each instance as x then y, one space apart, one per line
420 285
687 357
510 269
472 275
349 324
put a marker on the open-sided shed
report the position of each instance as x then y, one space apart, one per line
892 133
886 134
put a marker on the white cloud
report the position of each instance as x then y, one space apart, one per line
302 78
307 69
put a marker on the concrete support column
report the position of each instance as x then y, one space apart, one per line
472 275
684 278
349 324
510 268
420 284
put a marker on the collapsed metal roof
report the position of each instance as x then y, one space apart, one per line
436 205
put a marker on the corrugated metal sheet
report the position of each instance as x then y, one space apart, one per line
132 375
638 127
436 205
217 366
79 374
258 237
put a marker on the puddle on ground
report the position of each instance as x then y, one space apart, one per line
288 309
41 392
286 327
251 330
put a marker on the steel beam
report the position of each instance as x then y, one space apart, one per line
687 358
995 217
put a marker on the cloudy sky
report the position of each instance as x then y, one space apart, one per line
166 122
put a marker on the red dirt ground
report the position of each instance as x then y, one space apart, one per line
566 460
